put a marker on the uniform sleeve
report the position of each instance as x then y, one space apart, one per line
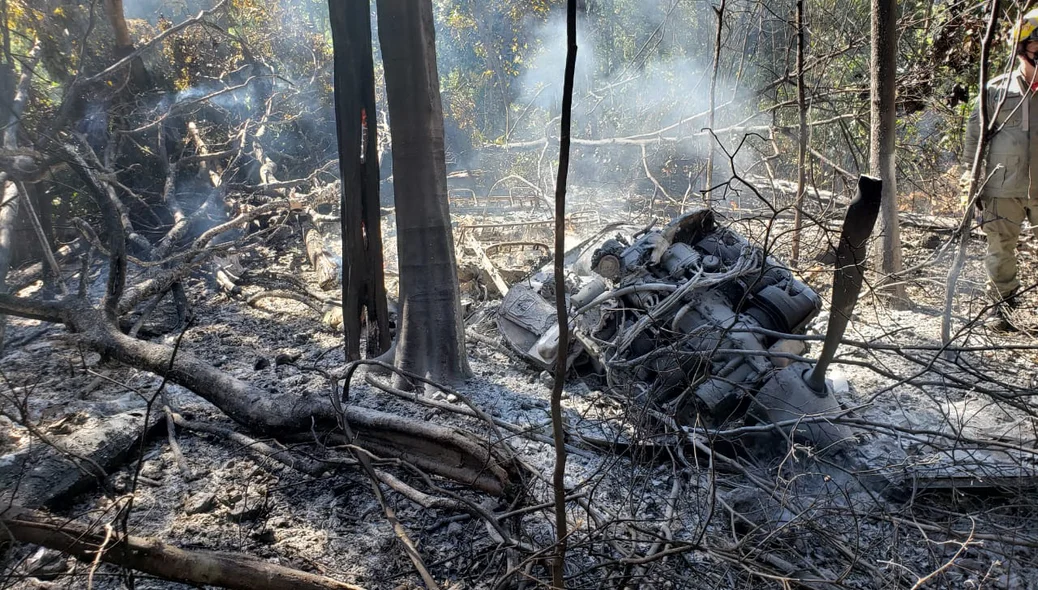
969 144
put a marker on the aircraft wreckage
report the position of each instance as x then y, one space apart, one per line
697 322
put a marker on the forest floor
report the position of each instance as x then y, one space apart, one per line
770 516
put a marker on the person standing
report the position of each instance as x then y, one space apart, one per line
1009 194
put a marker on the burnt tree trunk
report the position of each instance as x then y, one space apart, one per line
431 340
363 281
9 205
139 78
798 214
881 140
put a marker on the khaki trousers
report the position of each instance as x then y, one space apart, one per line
1002 220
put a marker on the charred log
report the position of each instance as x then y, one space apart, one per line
443 451
226 570
63 466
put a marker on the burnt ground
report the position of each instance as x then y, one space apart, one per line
727 528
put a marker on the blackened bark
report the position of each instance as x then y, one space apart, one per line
113 226
798 214
431 341
363 280
558 578
43 475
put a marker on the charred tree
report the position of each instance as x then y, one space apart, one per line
709 179
139 78
363 281
881 138
9 191
431 334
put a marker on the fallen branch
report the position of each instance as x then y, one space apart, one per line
447 452
151 556
301 464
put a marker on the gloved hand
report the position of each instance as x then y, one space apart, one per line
964 191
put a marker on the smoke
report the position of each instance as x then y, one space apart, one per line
669 79
542 78
151 10
641 67
238 99
637 72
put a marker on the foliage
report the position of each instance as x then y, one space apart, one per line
643 66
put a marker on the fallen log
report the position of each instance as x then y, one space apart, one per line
434 448
46 474
21 279
151 556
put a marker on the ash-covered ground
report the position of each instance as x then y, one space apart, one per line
651 506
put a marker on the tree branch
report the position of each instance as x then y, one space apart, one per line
210 568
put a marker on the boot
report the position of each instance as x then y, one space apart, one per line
1000 318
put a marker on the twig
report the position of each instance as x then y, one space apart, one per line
962 547
977 170
174 444
303 465
468 411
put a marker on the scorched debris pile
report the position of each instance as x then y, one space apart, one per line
691 318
